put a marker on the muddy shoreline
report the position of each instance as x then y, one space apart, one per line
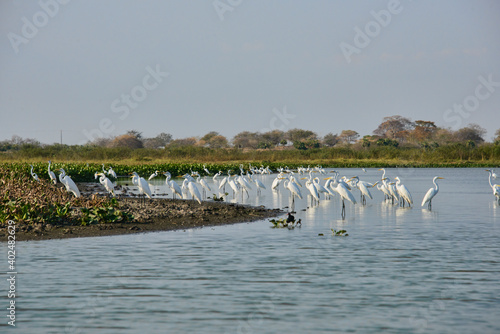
154 215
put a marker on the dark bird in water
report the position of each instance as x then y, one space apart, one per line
290 219
299 222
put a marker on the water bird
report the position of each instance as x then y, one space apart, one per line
108 185
141 184
191 186
68 183
52 175
152 176
363 188
403 192
176 189
431 193
494 187
34 174
290 218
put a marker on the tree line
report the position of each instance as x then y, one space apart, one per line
394 131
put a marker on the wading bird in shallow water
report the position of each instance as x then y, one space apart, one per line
68 183
403 192
152 176
34 174
494 187
431 193
191 186
176 190
52 175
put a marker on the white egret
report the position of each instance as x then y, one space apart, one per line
141 184
206 170
52 175
68 183
155 174
203 184
293 188
391 186
34 174
312 189
431 193
108 185
244 184
176 190
345 194
112 172
195 193
384 187
277 181
494 187
222 184
363 188
258 183
232 183
219 173
403 192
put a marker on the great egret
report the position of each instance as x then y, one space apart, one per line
141 184
277 181
403 192
206 170
106 183
232 183
345 194
431 193
34 174
204 184
52 175
244 184
195 193
384 186
363 188
176 190
112 172
68 183
258 183
494 187
312 189
155 174
222 183
293 188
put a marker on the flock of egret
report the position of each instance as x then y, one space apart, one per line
394 191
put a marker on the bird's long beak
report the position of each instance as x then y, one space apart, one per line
442 178
327 178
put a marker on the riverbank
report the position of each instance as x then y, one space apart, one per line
153 216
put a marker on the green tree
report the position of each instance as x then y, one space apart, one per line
330 139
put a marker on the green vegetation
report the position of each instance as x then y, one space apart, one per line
340 233
397 142
28 201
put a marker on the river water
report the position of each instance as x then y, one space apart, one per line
400 270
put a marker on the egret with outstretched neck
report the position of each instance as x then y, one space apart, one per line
431 193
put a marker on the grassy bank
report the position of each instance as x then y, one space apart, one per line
346 156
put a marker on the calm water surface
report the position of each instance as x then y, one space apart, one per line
399 270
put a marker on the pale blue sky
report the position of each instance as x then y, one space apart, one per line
228 70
